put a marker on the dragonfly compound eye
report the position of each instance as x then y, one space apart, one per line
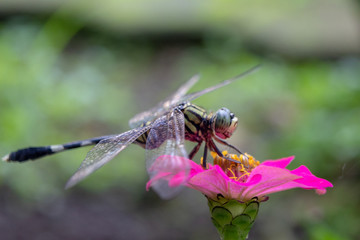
224 123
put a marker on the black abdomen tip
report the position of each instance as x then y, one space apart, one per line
28 154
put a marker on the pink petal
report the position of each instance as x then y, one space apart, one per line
195 168
178 179
273 179
236 189
286 179
156 178
280 163
214 181
320 191
210 182
309 179
173 169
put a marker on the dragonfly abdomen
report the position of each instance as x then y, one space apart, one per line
32 153
141 141
159 132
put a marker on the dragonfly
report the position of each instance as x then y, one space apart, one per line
161 131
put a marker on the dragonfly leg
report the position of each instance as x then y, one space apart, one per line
203 162
218 152
229 145
195 150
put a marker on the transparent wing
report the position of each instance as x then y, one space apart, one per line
166 158
103 152
179 96
194 95
164 106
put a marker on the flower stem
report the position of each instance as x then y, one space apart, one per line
233 219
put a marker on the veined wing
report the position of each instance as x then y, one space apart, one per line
164 106
166 158
179 96
103 152
192 96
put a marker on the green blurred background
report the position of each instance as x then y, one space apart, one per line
72 70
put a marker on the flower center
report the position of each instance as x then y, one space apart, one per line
239 171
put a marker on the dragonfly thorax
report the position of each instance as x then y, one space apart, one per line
224 123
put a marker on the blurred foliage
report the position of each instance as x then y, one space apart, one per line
71 71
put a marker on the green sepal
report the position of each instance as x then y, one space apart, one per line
234 207
241 221
231 232
252 209
221 215
233 219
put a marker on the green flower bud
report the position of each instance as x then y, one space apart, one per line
233 219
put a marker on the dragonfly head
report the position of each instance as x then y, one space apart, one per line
224 123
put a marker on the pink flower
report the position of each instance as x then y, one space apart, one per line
246 180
